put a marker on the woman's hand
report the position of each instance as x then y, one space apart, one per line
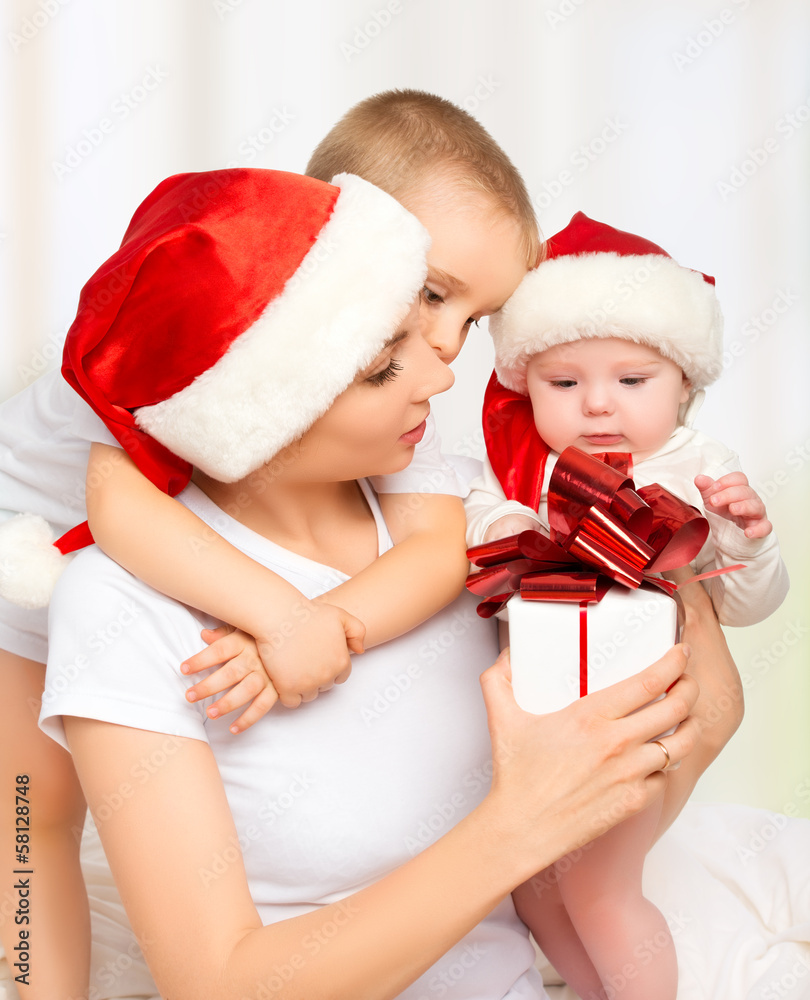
578 772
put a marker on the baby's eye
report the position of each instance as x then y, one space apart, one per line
431 297
633 380
470 320
563 383
388 374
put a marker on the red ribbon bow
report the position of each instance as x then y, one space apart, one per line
602 531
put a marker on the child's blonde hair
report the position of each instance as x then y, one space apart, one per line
398 139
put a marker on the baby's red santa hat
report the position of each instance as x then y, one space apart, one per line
240 304
597 281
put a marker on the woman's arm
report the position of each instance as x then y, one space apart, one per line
720 705
559 780
425 569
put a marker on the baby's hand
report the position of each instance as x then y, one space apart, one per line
731 497
241 671
510 524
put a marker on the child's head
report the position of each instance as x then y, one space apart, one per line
443 166
608 337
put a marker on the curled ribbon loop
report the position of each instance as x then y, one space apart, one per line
602 532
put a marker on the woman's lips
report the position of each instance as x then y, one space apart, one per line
414 436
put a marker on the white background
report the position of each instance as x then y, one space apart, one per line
686 122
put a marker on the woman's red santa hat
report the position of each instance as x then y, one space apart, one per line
240 304
596 281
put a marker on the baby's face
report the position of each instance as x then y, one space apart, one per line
605 395
475 262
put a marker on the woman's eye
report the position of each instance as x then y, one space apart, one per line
431 297
633 380
388 374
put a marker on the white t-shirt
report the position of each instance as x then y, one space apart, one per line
326 798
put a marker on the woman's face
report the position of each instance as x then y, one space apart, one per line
373 427
475 261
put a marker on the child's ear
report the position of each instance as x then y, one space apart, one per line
686 389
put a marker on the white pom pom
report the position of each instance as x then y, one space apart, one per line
30 564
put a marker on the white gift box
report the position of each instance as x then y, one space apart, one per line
626 631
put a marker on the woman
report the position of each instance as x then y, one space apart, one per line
354 847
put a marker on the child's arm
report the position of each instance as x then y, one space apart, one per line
303 644
741 533
423 572
490 515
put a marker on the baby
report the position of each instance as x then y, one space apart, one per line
607 345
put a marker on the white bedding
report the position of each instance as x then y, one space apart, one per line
733 882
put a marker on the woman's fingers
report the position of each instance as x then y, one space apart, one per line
634 692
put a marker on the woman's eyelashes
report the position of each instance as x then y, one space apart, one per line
388 374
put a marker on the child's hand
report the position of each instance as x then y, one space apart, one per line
292 667
731 497
241 671
510 524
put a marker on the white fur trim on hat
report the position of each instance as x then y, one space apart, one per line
332 319
649 299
